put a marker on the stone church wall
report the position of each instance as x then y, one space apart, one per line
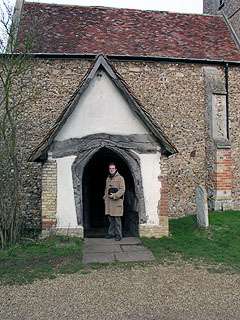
234 117
175 95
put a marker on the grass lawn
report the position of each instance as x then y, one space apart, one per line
40 259
217 246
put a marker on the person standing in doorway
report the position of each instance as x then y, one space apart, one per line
113 197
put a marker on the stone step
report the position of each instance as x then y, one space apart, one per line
101 250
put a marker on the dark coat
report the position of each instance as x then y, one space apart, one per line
114 207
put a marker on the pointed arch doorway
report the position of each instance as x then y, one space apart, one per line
95 222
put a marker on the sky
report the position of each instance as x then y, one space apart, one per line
186 6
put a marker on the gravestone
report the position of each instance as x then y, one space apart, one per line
202 206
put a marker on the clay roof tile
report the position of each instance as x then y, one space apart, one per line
81 30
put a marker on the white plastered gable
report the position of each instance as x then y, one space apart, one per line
102 104
101 108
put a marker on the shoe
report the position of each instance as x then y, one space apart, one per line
109 236
118 238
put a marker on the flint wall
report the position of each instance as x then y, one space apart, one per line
174 94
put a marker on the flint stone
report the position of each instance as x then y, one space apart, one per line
202 206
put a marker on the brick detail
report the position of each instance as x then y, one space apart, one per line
222 180
49 195
222 177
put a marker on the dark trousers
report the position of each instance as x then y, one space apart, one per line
115 227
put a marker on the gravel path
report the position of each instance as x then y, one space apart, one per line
142 293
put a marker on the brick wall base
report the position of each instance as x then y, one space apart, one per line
145 230
221 205
70 232
148 231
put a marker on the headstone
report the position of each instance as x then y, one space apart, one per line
202 206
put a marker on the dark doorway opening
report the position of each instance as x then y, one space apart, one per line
94 178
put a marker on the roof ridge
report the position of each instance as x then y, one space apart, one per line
115 8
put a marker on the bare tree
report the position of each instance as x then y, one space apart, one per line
16 90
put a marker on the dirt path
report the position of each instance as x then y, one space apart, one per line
142 293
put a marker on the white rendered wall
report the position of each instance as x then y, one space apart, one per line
101 109
150 168
66 211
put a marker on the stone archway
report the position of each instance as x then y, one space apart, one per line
89 175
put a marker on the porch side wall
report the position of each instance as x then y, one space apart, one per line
155 183
162 228
49 196
50 225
